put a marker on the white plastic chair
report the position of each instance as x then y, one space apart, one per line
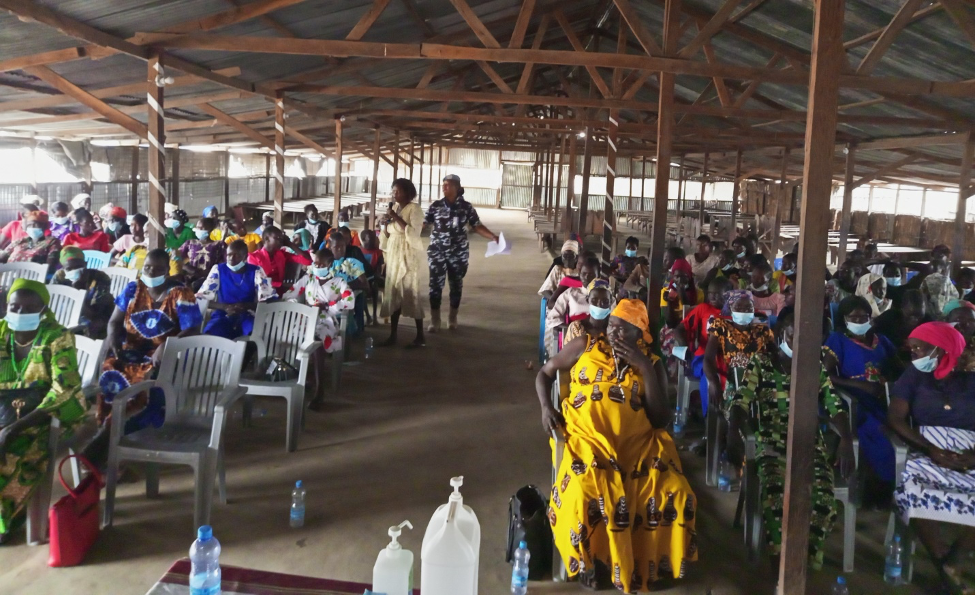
285 330
96 259
199 378
66 303
11 271
119 277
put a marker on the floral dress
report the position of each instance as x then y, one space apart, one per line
202 257
52 365
27 250
737 347
332 297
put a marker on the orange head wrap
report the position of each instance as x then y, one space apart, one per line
636 313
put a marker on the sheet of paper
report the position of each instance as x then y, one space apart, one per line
500 247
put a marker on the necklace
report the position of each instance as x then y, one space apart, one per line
19 370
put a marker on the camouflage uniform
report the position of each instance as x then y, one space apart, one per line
448 252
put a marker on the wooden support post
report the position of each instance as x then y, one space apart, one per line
410 164
267 177
846 203
559 178
571 174
156 137
630 183
607 242
535 176
33 164
338 194
551 193
644 176
175 175
396 152
279 158
702 195
134 181
734 207
966 191
420 173
827 62
226 207
681 187
778 213
441 171
376 182
588 150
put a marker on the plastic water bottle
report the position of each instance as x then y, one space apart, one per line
840 587
296 517
368 348
678 422
205 570
520 569
893 562
725 474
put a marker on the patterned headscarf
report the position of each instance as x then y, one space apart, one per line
39 217
734 296
570 246
946 337
938 290
181 216
864 289
71 252
598 284
954 304
636 313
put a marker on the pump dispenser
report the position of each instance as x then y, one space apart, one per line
449 555
393 573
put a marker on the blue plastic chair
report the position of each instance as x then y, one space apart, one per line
542 331
96 259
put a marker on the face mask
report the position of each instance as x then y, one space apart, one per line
729 266
344 224
35 233
926 364
879 300
60 220
27 322
630 253
201 234
599 313
786 349
968 291
237 267
114 226
173 224
73 275
788 272
310 220
742 318
741 254
761 287
153 281
321 272
858 329
893 281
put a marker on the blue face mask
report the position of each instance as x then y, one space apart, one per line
786 349
36 233
60 220
599 313
742 318
893 281
741 254
114 226
23 322
153 281
630 253
926 364
858 329
344 224
73 275
321 272
237 267
202 234
173 224
729 266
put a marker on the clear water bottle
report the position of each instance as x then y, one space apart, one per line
725 474
678 422
205 570
520 569
368 348
296 517
840 587
893 562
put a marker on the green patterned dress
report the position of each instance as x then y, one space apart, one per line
52 365
764 394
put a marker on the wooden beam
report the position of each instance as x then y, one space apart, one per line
588 151
962 16
134 181
571 175
156 139
527 70
886 169
236 124
610 174
709 29
734 205
71 27
905 142
754 84
895 26
44 58
280 159
375 182
631 17
873 35
579 48
827 62
494 76
522 23
846 203
221 19
966 190
483 34
414 14
367 20
308 142
87 99
338 190
429 73
721 91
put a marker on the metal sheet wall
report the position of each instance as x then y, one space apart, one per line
486 197
474 158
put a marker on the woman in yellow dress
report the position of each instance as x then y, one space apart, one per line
403 252
622 512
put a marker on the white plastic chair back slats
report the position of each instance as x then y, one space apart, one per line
66 303
14 270
96 259
199 368
119 277
280 329
89 359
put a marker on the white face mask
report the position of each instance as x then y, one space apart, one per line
926 364
741 254
858 329
786 349
73 275
742 318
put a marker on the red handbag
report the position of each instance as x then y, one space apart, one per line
73 519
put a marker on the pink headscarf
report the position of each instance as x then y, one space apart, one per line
946 337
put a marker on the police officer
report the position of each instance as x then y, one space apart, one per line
447 255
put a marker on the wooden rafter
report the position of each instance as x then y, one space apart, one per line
896 25
527 70
964 18
709 29
236 124
494 76
579 48
633 21
481 31
873 35
887 169
367 20
222 19
721 91
522 23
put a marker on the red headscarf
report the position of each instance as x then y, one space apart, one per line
682 266
118 212
947 338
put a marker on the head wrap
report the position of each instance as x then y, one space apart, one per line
209 211
571 246
80 200
39 217
954 304
106 210
32 200
71 252
683 266
864 289
305 238
636 313
169 208
118 212
598 284
946 337
734 296
181 216
41 290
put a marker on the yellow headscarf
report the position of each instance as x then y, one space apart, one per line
37 287
636 313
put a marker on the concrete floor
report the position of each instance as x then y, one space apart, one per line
404 423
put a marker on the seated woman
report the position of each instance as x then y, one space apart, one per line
88 236
302 239
600 302
131 248
148 312
763 401
43 372
99 302
845 281
237 231
894 283
176 233
788 272
897 324
725 269
732 343
636 286
370 246
762 286
36 246
60 217
572 305
961 316
873 288
201 254
704 259
623 264
932 409
938 289
693 334
570 255
679 292
272 258
114 224
234 289
964 282
622 512
859 360
329 293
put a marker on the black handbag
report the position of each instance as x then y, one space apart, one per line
277 369
15 403
528 522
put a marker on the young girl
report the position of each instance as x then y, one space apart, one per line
370 246
332 296
88 236
199 255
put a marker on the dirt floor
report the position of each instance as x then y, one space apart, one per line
404 422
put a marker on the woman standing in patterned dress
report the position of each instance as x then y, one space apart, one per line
622 512
403 252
